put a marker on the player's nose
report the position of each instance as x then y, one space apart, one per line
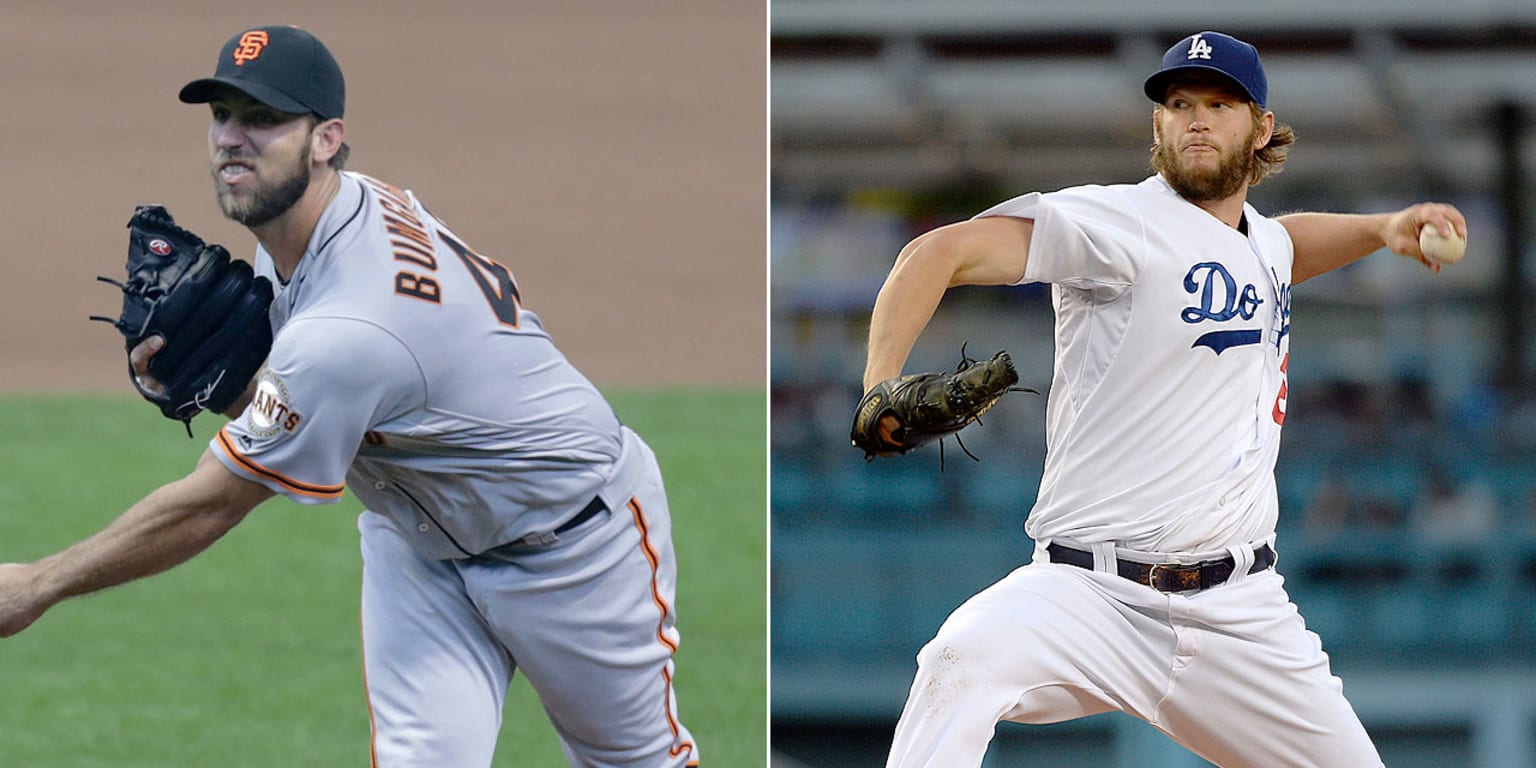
1200 118
226 134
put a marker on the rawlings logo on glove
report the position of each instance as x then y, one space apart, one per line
930 406
210 311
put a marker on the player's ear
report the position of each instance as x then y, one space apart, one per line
326 140
1157 129
1265 132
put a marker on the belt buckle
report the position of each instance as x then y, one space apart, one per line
539 539
1180 569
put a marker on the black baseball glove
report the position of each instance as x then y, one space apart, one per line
210 310
929 406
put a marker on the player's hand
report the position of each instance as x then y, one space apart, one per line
19 603
138 358
886 426
1402 229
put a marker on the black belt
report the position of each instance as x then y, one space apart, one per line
587 513
1168 577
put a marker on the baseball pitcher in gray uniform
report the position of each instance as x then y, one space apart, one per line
513 522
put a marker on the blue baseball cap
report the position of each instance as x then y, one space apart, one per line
1215 52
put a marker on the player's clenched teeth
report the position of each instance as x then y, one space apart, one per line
230 173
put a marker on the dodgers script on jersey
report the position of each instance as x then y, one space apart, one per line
446 407
1160 447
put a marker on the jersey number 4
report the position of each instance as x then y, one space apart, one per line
495 280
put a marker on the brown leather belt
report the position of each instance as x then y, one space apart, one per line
1168 577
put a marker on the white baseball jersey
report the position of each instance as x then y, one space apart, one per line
1172 335
404 366
1163 424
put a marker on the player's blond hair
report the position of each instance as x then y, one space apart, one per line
1270 157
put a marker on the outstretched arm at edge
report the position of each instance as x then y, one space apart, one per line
166 528
1326 241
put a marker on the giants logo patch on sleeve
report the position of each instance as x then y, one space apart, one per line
271 407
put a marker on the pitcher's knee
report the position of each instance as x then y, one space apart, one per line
954 665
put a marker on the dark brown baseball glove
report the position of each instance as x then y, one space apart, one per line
930 406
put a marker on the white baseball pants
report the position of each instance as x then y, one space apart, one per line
1231 672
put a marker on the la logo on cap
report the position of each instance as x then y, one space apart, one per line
1199 48
252 43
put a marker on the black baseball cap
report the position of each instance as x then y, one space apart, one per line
282 67
1214 52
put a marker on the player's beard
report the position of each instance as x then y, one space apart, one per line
269 200
1198 185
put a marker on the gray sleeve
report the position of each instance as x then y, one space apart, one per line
328 380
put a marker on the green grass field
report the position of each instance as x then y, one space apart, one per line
248 655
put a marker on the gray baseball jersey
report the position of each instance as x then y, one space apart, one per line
404 364
513 523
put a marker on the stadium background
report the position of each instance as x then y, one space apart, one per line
611 155
1407 480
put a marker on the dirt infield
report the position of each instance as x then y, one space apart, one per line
611 154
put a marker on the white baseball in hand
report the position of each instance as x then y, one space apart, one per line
1440 249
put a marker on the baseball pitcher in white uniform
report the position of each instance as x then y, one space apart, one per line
512 524
1152 589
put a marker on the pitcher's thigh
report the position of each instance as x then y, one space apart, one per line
1047 643
591 625
436 677
1054 643
1261 693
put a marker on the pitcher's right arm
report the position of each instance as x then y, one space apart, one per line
985 251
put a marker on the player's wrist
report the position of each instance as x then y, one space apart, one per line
875 375
1387 225
39 583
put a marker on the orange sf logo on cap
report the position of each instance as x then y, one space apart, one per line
250 47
